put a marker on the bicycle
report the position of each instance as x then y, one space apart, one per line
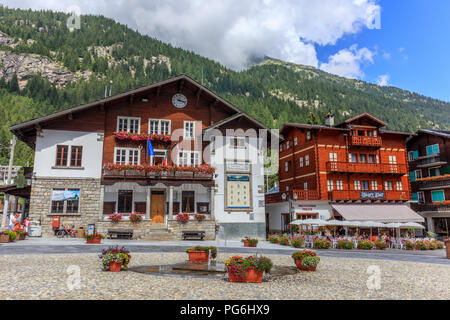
66 232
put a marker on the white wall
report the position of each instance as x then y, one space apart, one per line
45 154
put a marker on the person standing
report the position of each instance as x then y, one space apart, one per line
12 222
26 224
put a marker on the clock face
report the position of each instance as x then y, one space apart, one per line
179 101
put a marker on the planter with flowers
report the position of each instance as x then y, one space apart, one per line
345 244
136 217
365 245
183 217
284 240
139 137
298 242
201 254
20 234
248 270
422 245
94 238
381 245
248 242
274 238
322 244
7 236
439 244
115 217
114 259
299 256
200 217
310 263
410 245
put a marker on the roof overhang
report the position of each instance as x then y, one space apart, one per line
378 212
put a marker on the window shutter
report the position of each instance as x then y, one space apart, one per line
412 174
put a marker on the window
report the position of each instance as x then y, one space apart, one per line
392 159
128 124
388 185
420 197
434 172
188 158
305 186
399 186
414 197
188 201
295 141
330 185
372 158
157 126
75 156
286 166
308 135
339 185
333 157
65 201
281 147
411 156
365 185
418 174
61 156
432 150
158 158
437 196
237 142
353 158
307 160
374 185
301 162
127 156
375 133
287 145
189 130
125 201
363 158
357 185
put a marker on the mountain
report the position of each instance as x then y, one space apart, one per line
45 66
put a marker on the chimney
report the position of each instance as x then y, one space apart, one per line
329 120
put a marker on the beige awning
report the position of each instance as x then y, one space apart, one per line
377 212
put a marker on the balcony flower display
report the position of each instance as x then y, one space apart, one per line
183 217
442 203
115 217
445 176
201 169
136 217
322 244
141 137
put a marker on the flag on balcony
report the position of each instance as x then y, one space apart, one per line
150 150
165 158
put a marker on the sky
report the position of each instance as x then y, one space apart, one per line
402 43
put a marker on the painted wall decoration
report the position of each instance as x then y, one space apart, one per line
238 192
63 195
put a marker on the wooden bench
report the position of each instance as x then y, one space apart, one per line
193 235
120 233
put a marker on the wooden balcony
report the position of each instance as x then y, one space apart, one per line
423 207
347 195
163 175
430 161
429 184
301 195
379 168
375 142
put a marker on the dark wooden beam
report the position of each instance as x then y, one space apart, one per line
101 107
70 116
158 92
131 98
181 86
199 93
211 106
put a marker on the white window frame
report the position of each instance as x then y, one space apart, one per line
399 186
392 159
340 185
127 155
185 132
305 186
242 145
286 166
160 121
420 197
374 185
188 156
128 124
301 164
410 155
295 141
333 156
420 174
330 185
357 185
388 186
307 160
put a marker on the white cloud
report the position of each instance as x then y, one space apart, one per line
347 62
383 80
234 32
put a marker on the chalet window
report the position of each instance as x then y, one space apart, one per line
305 186
392 159
301 162
61 156
295 141
363 158
189 132
57 203
127 156
286 166
357 185
372 158
418 174
434 172
388 185
333 157
330 185
188 201
411 156
308 135
237 142
188 158
364 185
307 160
158 126
353 158
129 124
432 150
75 156
158 158
420 197
287 145
375 133
339 185
399 186
374 185
125 201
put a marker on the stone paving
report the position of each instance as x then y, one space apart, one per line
47 277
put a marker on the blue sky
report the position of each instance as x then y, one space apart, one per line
412 47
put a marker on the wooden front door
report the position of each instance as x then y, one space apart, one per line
157 207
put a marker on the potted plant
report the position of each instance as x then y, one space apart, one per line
409 245
4 237
381 245
300 255
256 268
115 259
439 244
200 254
248 242
365 244
298 242
115 217
421 245
12 235
183 217
274 238
345 244
284 240
237 269
200 217
94 238
322 244
310 263
20 234
136 217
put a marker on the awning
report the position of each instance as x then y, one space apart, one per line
379 213
16 191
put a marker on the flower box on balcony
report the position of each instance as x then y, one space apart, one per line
135 173
203 176
184 174
114 173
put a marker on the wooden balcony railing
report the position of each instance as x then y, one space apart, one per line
301 195
338 195
366 141
137 174
430 161
437 182
420 207
381 168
